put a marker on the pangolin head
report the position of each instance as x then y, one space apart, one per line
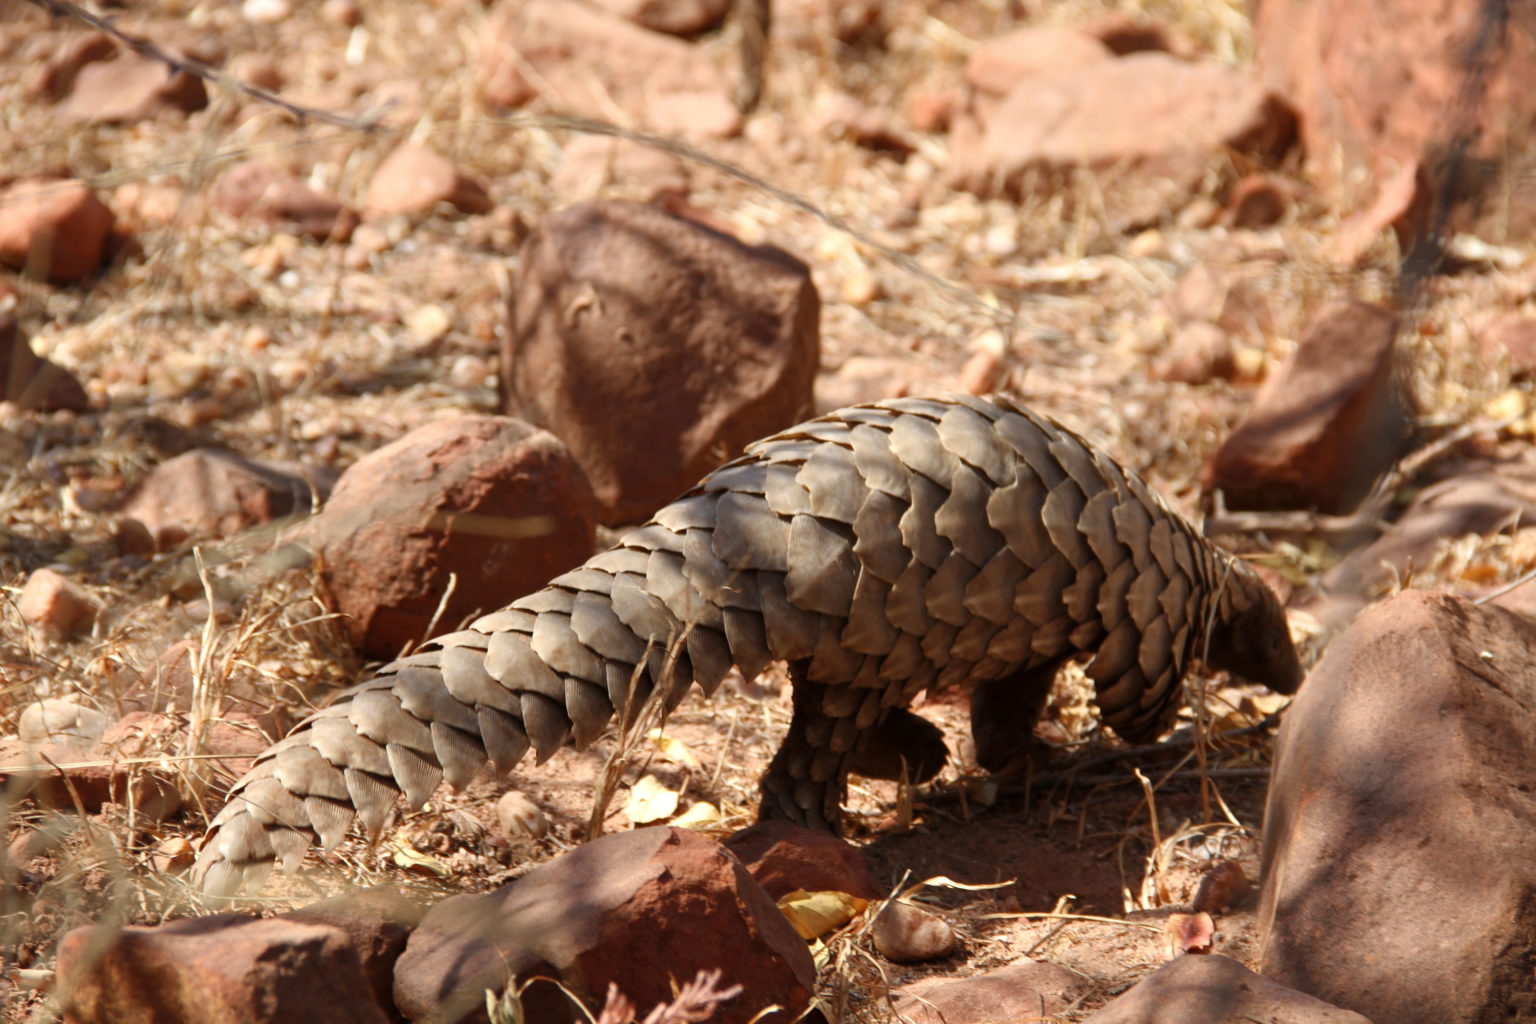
1249 636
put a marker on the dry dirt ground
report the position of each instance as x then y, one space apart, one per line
217 332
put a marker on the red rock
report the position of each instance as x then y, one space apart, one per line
414 180
377 922
53 226
590 60
261 191
1402 203
210 492
55 605
1325 425
784 857
655 348
1215 990
130 88
696 113
1198 353
1148 114
1228 298
225 969
674 17
1001 64
233 740
54 77
1025 990
29 380
491 500
1377 83
56 775
590 164
1513 337
1398 865
933 110
1257 201
636 909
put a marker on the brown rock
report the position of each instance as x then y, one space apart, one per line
378 922
258 190
590 164
56 775
655 347
130 88
55 227
491 500
1197 354
841 115
933 110
1026 990
1402 203
1399 874
1377 83
1126 33
1222 887
519 817
54 77
1512 336
56 720
1258 201
636 909
233 740
1150 115
696 113
674 17
30 381
1216 990
1229 298
55 605
210 492
784 857
1003 63
414 180
590 60
225 969
1325 425
907 934
1479 500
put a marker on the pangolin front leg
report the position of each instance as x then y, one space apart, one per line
878 550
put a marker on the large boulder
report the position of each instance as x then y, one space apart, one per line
655 347
640 910
1383 85
492 502
1399 872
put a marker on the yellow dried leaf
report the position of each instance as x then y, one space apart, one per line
814 914
411 859
674 750
650 801
701 816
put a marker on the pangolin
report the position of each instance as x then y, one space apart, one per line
878 550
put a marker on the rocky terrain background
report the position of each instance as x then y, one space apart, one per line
274 279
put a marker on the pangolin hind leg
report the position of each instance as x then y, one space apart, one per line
806 780
1004 712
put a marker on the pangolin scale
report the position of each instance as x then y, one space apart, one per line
879 550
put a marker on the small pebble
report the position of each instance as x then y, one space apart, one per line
908 934
265 12
519 816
